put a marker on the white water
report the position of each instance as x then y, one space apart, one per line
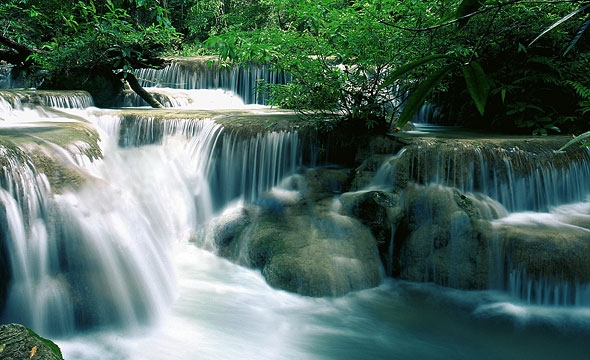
197 74
201 99
152 294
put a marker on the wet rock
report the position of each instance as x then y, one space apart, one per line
378 210
301 246
318 255
325 182
441 239
545 249
20 343
227 229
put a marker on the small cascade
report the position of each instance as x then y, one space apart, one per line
93 250
205 73
10 78
131 99
502 170
547 290
540 258
16 99
428 113
38 294
201 99
235 165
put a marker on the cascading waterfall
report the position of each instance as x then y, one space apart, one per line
508 184
17 99
235 165
549 178
94 257
241 80
113 250
98 256
10 78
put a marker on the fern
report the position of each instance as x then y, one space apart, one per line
582 90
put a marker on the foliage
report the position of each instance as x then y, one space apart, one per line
372 62
361 58
82 36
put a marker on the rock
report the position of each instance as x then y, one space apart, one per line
20 343
441 239
301 246
325 182
228 227
378 210
545 249
325 255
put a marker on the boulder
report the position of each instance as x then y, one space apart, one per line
300 245
545 249
20 343
440 239
316 255
325 182
378 210
227 229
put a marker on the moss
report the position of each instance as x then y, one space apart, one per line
50 344
35 145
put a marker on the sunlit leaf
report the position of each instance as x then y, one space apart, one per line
576 140
33 352
559 22
579 34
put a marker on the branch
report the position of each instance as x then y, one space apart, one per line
134 85
16 46
481 11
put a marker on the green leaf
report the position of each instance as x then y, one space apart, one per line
576 140
579 34
503 94
560 21
419 95
394 76
477 84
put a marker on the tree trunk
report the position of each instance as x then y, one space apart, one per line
139 90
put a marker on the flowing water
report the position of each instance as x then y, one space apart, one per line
111 269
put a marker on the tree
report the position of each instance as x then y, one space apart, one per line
361 58
79 43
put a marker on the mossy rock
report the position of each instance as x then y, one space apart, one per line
36 147
328 255
441 239
556 250
20 343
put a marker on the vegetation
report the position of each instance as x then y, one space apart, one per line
360 57
80 43
506 65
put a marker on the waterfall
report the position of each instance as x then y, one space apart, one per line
17 99
203 73
531 222
10 78
94 256
98 254
235 165
502 172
